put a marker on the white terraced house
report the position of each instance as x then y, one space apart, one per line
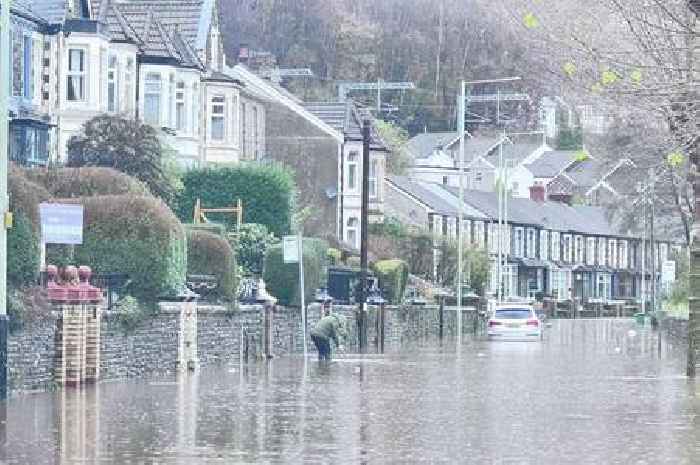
161 61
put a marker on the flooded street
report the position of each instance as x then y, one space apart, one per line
592 392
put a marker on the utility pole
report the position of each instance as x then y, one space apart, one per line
654 257
460 221
362 320
4 202
644 251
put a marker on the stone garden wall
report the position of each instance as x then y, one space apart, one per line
223 336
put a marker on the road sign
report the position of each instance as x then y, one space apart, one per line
668 271
61 223
290 248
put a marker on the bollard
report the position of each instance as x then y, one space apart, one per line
441 316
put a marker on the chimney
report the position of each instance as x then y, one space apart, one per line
243 53
537 193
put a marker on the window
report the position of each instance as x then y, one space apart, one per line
256 145
180 115
195 109
171 97
560 284
590 250
493 237
373 168
479 233
112 84
612 253
218 118
151 99
568 248
544 246
244 130
467 231
28 79
604 288
519 242
602 251
352 171
452 227
531 251
29 145
436 225
622 254
579 249
556 246
128 89
351 233
444 180
76 75
478 176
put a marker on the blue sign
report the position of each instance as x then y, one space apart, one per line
61 223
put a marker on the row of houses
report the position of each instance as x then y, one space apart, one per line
520 160
550 248
163 62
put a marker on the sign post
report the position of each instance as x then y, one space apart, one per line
60 224
293 251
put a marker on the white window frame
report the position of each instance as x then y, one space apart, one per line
555 250
353 171
181 107
579 249
352 226
602 244
479 233
373 186
171 100
149 90
612 253
622 254
80 74
568 248
128 84
493 238
217 112
112 83
590 251
544 245
604 282
531 243
519 246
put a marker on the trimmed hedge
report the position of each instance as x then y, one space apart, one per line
135 235
253 241
86 182
211 254
25 195
282 279
267 194
23 254
393 277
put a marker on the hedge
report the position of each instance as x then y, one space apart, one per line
282 279
23 254
211 254
393 277
267 194
86 182
25 196
136 235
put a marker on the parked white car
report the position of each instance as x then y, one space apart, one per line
514 321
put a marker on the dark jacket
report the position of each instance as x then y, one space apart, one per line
328 327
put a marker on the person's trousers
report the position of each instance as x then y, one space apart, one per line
323 345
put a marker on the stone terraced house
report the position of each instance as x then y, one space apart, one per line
553 248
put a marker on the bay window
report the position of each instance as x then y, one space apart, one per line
180 112
373 167
77 75
590 250
544 245
622 256
112 84
579 249
568 249
28 68
612 253
351 232
519 242
218 118
531 243
556 246
602 249
128 85
151 99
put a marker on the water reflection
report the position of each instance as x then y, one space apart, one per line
590 392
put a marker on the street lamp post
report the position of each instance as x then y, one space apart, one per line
4 206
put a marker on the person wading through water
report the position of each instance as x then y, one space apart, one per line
329 328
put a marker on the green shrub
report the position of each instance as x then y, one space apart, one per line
210 254
135 235
25 196
334 256
267 194
282 279
130 313
23 252
393 277
85 182
253 241
26 305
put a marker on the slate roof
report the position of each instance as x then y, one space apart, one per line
586 173
53 11
520 147
551 163
437 199
347 118
422 145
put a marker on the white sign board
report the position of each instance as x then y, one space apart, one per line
290 247
668 271
61 223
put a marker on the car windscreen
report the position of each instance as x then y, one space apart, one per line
513 314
